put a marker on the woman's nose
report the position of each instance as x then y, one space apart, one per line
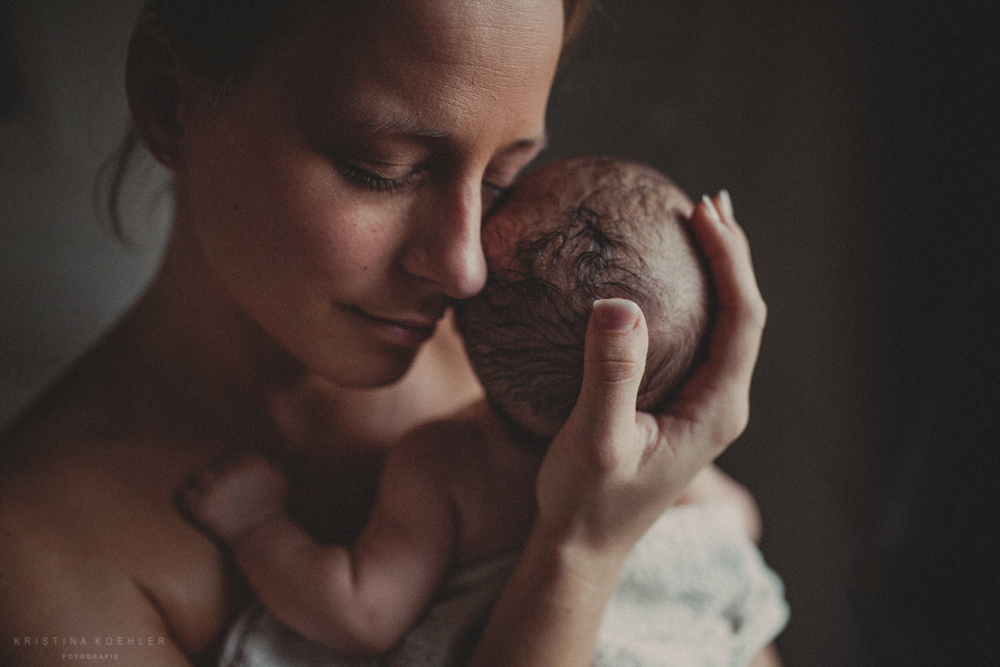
446 247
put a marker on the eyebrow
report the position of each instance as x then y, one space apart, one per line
391 124
535 144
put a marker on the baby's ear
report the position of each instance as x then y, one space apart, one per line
153 78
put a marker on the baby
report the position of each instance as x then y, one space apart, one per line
462 491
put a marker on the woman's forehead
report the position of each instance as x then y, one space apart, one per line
458 32
421 64
461 30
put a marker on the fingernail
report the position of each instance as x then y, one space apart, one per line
615 314
727 204
712 211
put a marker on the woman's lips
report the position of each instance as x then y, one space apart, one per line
403 333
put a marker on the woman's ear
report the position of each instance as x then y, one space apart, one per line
153 79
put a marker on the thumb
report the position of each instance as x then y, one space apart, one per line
614 361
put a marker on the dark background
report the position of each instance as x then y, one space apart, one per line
860 144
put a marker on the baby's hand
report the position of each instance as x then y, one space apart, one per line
235 495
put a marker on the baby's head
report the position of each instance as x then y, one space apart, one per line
571 232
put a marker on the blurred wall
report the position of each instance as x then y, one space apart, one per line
860 148
927 589
63 275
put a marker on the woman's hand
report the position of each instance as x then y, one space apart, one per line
611 471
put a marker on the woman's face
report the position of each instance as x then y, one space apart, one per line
337 189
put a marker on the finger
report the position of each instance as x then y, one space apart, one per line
724 203
728 251
614 361
742 312
718 393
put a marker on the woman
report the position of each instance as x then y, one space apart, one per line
331 167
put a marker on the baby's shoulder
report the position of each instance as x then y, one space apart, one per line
445 443
471 445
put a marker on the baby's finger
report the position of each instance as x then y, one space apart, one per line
718 393
614 361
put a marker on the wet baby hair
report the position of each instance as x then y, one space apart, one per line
571 232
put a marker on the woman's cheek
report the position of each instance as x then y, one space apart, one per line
360 237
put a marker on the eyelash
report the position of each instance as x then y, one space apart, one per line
494 189
375 183
499 197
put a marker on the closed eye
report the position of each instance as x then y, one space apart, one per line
375 183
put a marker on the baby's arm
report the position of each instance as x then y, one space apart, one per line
359 600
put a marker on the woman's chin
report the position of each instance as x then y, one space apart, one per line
372 371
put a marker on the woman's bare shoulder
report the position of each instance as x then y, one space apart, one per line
91 545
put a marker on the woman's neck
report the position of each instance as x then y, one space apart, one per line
193 342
